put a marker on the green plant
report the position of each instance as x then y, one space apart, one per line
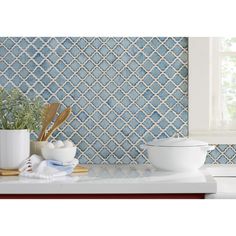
19 112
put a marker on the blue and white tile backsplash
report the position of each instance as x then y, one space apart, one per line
123 91
223 154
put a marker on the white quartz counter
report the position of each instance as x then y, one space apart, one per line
105 179
225 177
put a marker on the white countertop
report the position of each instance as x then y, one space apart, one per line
225 177
102 179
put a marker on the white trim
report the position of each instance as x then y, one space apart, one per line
228 53
215 137
199 84
204 99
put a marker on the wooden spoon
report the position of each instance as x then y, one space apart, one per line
60 119
50 111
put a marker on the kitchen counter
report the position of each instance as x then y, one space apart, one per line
114 180
225 177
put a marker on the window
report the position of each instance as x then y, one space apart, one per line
212 89
227 79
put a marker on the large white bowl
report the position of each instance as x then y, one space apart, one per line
177 154
179 159
59 154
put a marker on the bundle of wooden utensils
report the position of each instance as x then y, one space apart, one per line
50 111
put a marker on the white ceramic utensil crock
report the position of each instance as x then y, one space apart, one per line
36 147
177 154
14 148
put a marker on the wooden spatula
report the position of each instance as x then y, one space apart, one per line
49 113
60 119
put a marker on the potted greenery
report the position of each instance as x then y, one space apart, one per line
18 116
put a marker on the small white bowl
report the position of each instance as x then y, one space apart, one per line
59 154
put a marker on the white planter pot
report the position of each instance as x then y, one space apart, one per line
14 148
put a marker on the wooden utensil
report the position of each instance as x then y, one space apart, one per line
50 111
60 119
77 169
